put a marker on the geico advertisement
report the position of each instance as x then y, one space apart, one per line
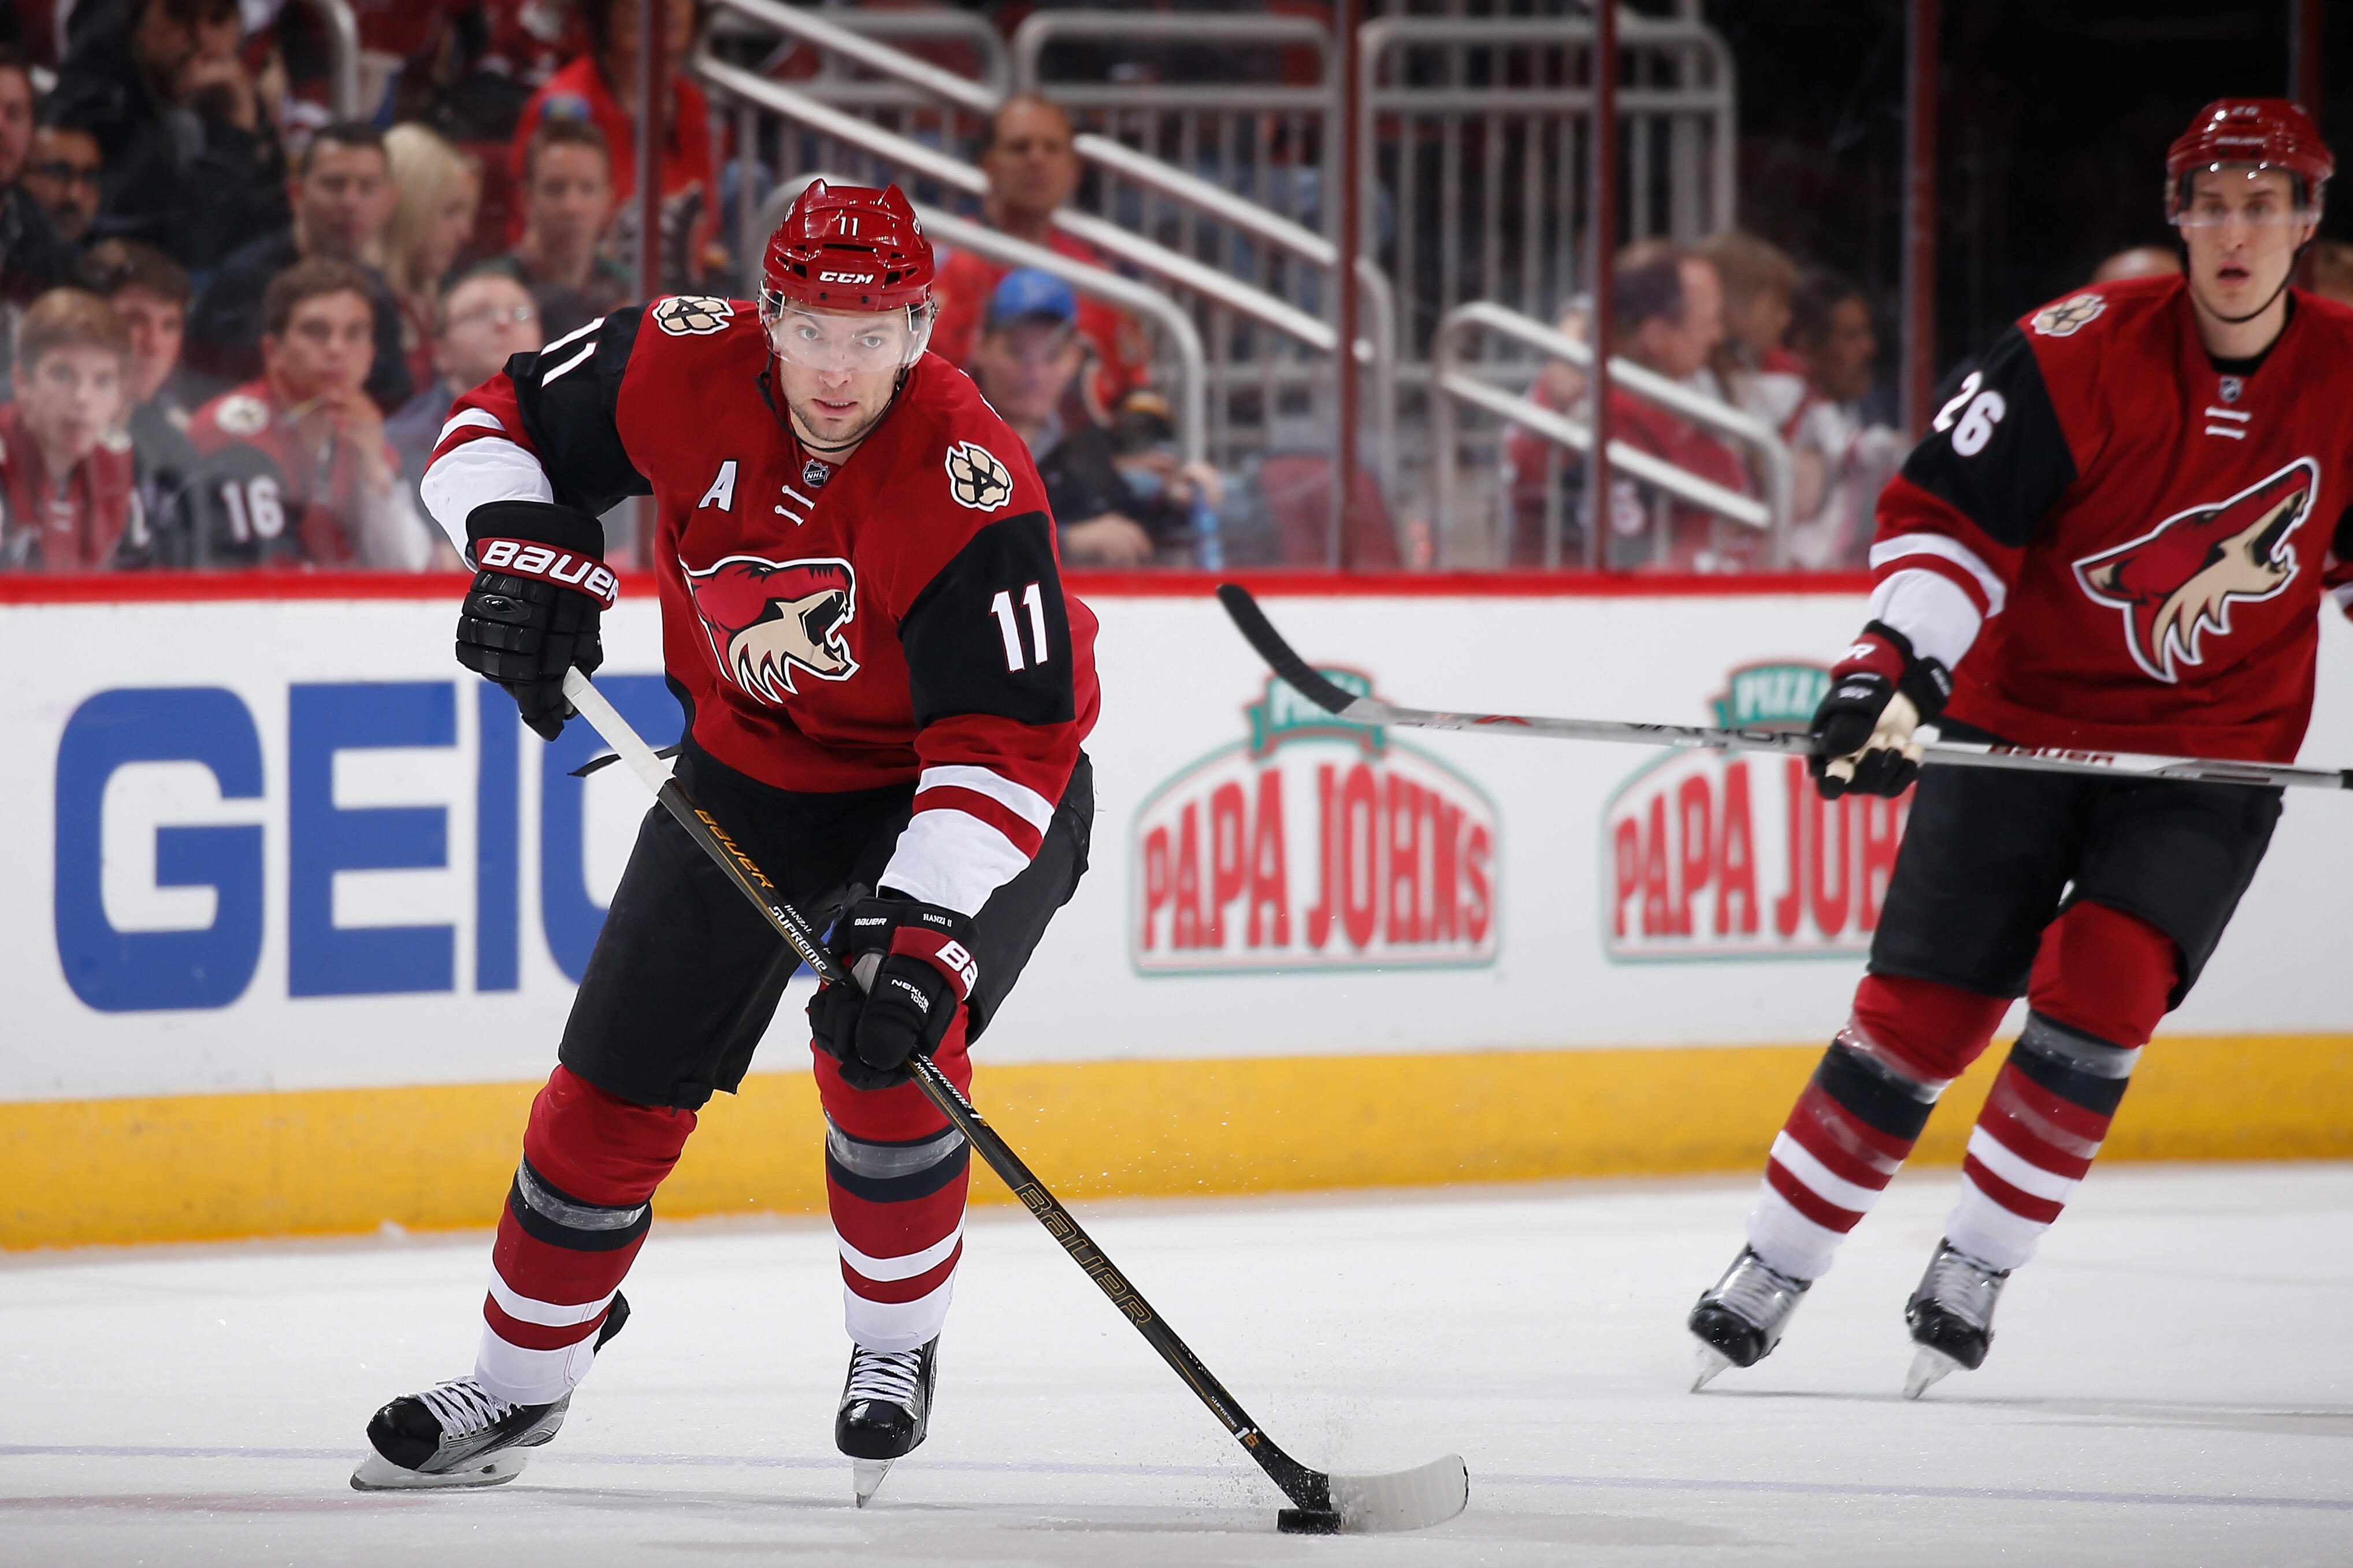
256 845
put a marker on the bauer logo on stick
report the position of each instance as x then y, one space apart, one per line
976 479
2176 581
765 619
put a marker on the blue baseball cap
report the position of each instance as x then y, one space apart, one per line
1025 294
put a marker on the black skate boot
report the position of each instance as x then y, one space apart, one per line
1739 1322
885 1406
1951 1316
458 1433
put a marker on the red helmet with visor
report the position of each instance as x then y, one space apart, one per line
2251 133
848 250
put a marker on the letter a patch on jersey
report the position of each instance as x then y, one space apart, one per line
767 619
976 479
722 493
2176 581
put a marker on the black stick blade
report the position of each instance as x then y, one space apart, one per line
1280 656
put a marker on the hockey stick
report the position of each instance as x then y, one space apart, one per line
1285 661
1405 1500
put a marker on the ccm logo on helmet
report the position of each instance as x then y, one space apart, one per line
581 573
846 277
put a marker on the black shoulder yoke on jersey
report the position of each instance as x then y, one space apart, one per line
1997 454
971 635
569 394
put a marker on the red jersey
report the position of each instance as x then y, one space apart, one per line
257 499
91 522
1123 362
2120 543
689 181
897 619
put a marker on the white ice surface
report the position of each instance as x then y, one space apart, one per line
2172 1384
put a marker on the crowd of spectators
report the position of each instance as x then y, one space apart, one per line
232 325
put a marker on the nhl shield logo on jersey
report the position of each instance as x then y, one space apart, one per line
765 619
976 479
692 315
2176 583
2068 317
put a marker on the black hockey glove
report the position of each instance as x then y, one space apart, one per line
1862 732
540 587
916 969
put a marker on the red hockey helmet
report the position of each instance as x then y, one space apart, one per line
2254 134
848 247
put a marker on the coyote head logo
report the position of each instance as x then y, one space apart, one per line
764 619
2176 582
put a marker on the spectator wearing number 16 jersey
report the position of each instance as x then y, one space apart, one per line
294 469
886 689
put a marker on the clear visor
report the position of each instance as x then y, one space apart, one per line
2238 194
863 343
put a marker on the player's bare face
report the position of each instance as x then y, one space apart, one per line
838 371
2242 229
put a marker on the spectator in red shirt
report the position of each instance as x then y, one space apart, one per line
296 469
567 200
1032 170
601 87
70 498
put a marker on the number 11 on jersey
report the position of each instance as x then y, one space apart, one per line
1034 601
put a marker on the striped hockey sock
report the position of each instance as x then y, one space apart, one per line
2039 1131
895 1179
1853 1128
575 1219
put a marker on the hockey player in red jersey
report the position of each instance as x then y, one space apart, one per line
887 689
2116 537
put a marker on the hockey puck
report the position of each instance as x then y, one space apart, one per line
1307 1521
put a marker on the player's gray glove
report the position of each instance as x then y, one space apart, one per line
539 590
1879 694
910 968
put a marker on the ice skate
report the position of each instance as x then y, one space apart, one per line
458 1433
1951 1316
885 1406
1740 1320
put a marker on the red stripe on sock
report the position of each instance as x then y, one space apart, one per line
1829 1132
1808 1202
2026 1206
2086 1124
912 1288
556 1274
537 1336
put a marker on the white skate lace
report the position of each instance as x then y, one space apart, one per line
464 1406
1962 1286
1757 1293
885 1375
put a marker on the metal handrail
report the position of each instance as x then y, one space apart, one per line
1106 237
1771 514
1039 29
1634 31
343 56
794 21
1191 402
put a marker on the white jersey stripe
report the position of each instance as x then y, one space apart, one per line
1023 802
1949 549
953 859
472 418
1931 609
487 469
